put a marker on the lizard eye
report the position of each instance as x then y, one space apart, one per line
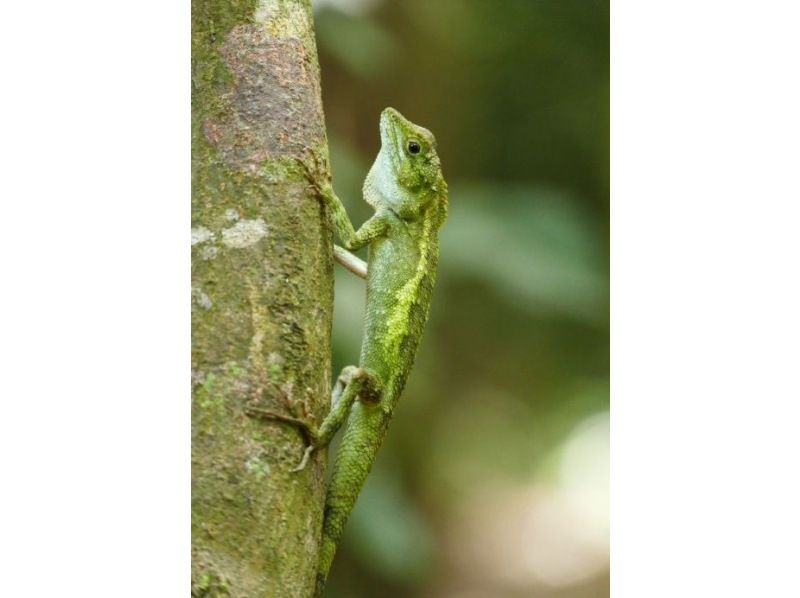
413 147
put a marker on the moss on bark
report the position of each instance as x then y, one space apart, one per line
262 297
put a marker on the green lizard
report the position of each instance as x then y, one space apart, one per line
406 188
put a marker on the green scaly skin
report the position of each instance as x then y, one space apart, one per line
409 195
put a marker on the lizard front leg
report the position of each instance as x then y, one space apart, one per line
351 238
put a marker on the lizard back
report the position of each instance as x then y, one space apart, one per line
398 297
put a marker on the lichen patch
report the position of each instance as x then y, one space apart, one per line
282 19
244 233
201 298
200 234
208 252
256 466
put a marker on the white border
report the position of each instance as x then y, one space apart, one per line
94 321
705 299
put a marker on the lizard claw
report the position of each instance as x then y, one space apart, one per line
317 172
309 431
319 179
304 460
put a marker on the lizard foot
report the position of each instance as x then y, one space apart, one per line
308 430
316 173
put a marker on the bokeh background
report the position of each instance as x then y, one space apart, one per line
493 481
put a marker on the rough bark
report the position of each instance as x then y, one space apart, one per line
262 297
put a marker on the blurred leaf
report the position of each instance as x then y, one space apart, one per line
351 7
485 435
349 168
532 245
360 45
348 315
388 533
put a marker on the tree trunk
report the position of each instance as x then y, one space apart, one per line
262 296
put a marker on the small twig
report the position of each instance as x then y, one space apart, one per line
351 262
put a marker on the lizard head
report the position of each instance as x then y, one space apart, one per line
411 153
411 150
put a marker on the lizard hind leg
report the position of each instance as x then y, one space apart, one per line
351 383
345 376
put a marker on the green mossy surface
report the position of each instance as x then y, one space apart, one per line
261 336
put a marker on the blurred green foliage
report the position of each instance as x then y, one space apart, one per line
515 355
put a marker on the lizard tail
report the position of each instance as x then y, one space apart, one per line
362 437
332 529
327 551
